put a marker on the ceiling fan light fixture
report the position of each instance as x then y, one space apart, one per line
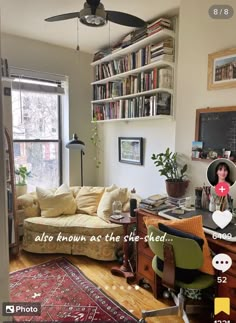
96 17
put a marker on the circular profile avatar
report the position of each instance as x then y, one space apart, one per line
221 170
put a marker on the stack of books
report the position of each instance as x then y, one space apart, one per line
162 51
165 78
154 204
139 34
158 25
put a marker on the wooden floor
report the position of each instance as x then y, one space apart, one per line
132 297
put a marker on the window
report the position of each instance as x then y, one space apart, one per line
36 108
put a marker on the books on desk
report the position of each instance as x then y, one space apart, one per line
155 210
154 203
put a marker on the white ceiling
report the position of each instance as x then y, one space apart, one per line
26 18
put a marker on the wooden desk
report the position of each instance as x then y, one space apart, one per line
145 272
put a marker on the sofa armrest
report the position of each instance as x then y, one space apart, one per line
29 203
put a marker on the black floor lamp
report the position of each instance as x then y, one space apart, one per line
75 143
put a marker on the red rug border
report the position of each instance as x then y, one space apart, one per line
81 272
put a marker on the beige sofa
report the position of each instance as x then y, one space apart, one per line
77 234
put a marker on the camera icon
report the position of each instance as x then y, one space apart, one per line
10 309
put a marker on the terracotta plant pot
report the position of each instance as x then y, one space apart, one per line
176 189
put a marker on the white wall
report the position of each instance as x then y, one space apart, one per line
199 35
158 135
39 56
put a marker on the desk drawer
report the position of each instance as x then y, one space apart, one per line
143 246
145 267
141 225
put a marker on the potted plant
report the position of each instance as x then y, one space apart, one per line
21 184
96 141
175 174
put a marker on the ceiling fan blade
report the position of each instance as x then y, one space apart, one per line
125 19
64 16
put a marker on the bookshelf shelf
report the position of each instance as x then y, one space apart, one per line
159 36
160 117
136 82
138 70
12 220
133 95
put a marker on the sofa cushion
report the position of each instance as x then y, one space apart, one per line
57 203
81 224
104 210
88 198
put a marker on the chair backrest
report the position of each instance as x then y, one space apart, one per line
188 254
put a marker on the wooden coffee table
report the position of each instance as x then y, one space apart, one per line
125 269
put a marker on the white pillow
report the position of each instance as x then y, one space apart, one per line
104 210
56 203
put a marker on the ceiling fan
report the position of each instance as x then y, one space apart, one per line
94 15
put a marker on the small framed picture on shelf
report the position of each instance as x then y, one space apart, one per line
197 149
131 150
222 69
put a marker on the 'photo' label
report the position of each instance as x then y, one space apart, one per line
21 309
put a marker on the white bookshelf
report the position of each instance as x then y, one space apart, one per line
133 95
138 70
159 117
158 37
99 106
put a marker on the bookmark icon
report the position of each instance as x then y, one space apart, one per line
222 304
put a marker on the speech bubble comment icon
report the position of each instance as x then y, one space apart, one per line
222 262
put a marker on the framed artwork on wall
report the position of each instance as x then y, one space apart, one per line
131 150
222 69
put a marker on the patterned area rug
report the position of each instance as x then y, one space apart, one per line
65 294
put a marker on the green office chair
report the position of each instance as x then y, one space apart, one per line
182 253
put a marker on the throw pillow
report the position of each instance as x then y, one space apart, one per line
57 203
88 198
184 275
190 225
75 190
182 234
105 206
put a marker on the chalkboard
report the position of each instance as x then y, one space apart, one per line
216 128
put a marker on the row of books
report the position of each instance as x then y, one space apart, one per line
145 81
136 35
159 104
10 200
4 67
142 57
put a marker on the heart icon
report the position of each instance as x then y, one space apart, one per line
222 219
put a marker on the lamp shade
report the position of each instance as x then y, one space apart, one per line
75 143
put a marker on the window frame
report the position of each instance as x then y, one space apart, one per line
59 140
